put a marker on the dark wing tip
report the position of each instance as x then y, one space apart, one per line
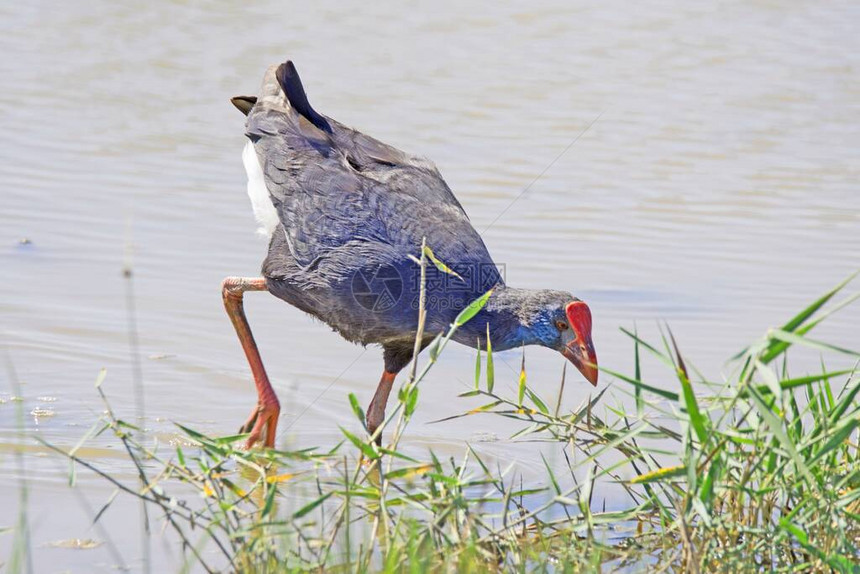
288 78
244 103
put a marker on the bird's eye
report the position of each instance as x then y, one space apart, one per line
562 326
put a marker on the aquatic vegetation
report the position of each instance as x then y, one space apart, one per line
759 472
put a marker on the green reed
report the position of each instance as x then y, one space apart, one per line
759 472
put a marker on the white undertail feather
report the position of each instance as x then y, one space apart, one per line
264 210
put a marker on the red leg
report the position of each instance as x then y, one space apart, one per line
265 414
376 410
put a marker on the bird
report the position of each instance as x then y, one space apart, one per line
345 216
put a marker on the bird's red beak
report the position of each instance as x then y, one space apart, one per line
579 350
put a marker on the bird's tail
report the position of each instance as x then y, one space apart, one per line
283 88
291 84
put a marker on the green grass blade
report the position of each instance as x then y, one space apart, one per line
846 401
478 366
793 339
356 408
776 348
439 265
491 374
472 309
801 317
697 419
637 374
537 401
666 360
837 439
555 485
788 384
521 387
779 432
310 506
364 447
660 474
645 387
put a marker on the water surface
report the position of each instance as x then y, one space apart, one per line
663 161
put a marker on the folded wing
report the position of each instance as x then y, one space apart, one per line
332 185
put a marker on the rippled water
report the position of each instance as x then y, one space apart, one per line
694 164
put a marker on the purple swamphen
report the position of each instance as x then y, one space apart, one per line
343 213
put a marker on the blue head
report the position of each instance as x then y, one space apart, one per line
553 319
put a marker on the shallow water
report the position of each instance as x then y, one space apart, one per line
662 161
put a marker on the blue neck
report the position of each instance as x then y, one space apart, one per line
506 316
